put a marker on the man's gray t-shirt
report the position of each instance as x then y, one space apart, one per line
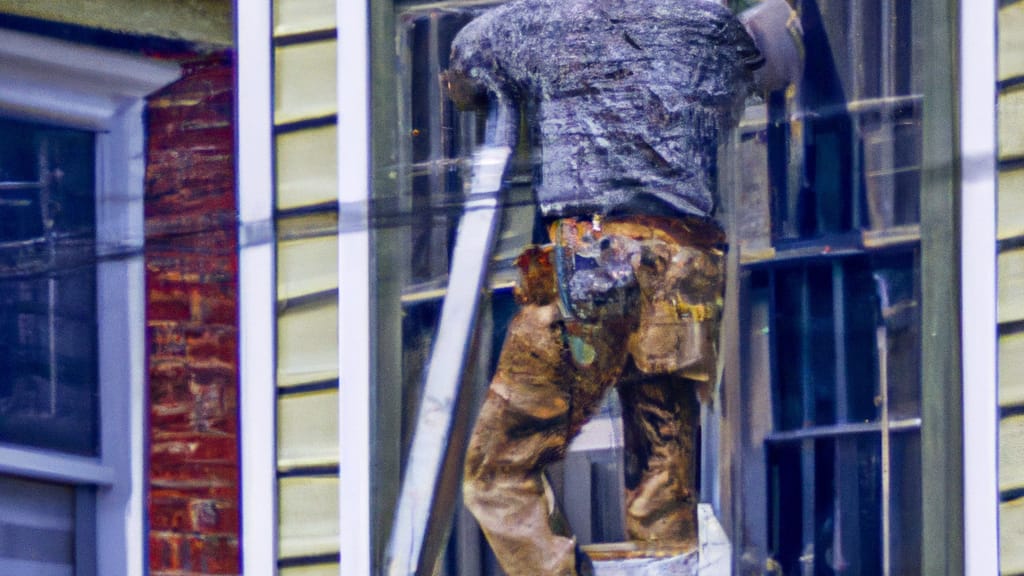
632 95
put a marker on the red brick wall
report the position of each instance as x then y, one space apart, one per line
192 323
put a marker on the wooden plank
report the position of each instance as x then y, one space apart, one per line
308 516
1011 124
634 559
1011 41
1011 369
300 16
1011 285
307 167
307 429
1011 203
1011 535
305 81
307 266
1011 453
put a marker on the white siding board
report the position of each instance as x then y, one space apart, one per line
1011 41
1011 203
318 570
1011 124
1011 285
307 429
305 82
1011 537
307 266
307 167
1011 369
308 344
309 516
300 16
1011 454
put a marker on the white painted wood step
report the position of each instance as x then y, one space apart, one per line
712 558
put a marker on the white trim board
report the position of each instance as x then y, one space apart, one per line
72 84
977 93
256 287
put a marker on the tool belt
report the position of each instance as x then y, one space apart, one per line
663 277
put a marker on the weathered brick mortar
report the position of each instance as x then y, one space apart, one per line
192 323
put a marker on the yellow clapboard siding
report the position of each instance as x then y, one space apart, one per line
1011 285
1011 369
1011 203
307 344
1011 124
318 570
307 167
1011 41
308 516
1011 537
307 429
298 16
1011 453
304 83
307 266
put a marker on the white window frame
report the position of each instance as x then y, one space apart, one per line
257 286
89 88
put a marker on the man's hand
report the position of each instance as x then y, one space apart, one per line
464 92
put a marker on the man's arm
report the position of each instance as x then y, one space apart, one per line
776 31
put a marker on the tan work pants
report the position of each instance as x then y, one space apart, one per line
555 368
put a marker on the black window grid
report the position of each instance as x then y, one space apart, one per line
831 266
842 457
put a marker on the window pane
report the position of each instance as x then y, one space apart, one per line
48 326
37 524
805 394
906 504
827 342
849 157
898 292
826 505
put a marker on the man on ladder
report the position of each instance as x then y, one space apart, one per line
632 100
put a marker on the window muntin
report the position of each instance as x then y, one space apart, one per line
48 347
